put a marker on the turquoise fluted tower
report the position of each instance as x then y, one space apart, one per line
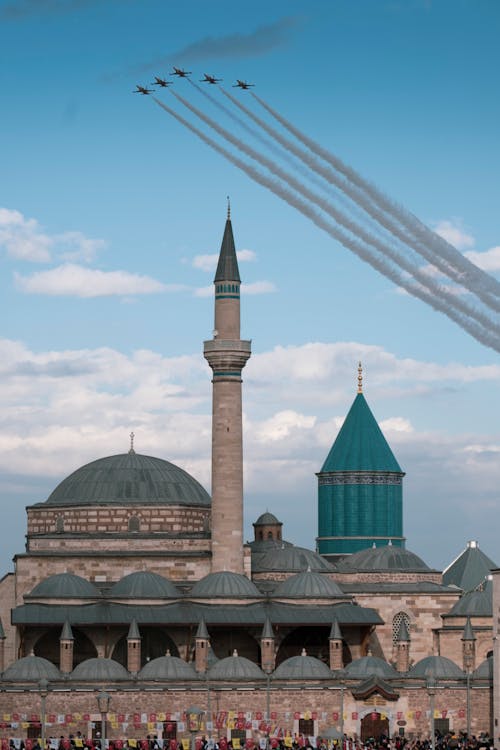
360 487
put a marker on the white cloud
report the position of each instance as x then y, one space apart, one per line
24 239
488 261
258 287
209 262
454 233
77 281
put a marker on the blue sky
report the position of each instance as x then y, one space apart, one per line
111 212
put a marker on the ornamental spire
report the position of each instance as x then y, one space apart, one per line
131 449
228 209
360 378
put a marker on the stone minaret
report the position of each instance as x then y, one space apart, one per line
227 354
335 641
468 647
202 647
66 643
267 647
403 647
133 648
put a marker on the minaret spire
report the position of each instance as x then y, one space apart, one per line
227 354
360 378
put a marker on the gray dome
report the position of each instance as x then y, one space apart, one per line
369 666
129 479
168 668
289 559
388 558
225 584
484 670
31 669
235 668
477 603
267 519
145 585
99 669
438 667
309 584
302 668
65 586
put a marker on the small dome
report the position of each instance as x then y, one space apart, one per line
438 667
129 479
478 603
31 669
302 667
225 585
369 666
289 559
65 586
99 669
144 585
168 668
387 558
309 584
485 670
267 519
235 668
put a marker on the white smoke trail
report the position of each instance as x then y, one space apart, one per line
444 256
344 221
484 336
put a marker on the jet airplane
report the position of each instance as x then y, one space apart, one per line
242 84
142 90
209 79
161 82
180 72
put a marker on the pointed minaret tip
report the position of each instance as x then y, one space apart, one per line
360 378
131 449
228 209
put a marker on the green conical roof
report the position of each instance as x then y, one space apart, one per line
227 267
360 444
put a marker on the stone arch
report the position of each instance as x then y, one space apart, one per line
373 726
314 640
48 646
155 642
225 640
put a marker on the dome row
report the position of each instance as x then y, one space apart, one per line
147 585
33 668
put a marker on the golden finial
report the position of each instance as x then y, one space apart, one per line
132 436
228 208
360 378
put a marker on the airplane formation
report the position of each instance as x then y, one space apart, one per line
181 73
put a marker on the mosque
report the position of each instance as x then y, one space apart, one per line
136 598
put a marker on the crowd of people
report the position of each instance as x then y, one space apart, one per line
78 742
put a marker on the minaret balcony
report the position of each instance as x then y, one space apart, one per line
224 354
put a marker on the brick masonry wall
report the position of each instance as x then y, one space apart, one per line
131 710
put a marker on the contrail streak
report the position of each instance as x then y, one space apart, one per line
484 336
342 219
422 233
280 151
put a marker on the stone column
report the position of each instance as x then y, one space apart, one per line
66 643
267 647
202 646
335 640
133 648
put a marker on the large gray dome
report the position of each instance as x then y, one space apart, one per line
31 669
235 668
129 479
65 586
225 584
144 584
387 558
99 669
302 667
369 666
168 668
309 584
438 667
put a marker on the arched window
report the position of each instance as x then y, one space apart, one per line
396 624
270 535
133 523
60 524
